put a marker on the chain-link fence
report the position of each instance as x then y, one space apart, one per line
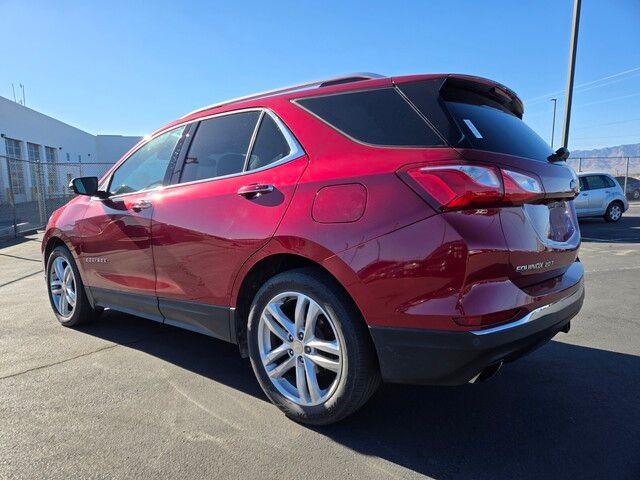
31 190
625 169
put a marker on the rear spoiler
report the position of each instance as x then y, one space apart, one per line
457 85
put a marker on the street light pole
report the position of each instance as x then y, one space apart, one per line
553 122
573 47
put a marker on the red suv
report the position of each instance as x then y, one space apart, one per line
364 228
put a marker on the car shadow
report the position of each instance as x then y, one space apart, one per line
625 230
565 411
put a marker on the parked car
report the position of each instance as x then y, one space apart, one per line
410 229
600 196
633 187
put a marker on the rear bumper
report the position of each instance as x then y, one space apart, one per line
452 358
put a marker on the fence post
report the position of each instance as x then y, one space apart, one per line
580 164
12 198
626 177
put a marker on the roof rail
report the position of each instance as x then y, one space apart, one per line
352 77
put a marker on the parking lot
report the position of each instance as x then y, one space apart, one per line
126 397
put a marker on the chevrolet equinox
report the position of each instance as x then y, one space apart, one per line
342 233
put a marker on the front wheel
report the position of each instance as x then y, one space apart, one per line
66 291
310 349
614 212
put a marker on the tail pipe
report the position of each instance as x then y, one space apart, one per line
486 373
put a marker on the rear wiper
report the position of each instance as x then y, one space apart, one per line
560 156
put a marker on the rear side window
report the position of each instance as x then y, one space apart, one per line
377 117
269 146
220 146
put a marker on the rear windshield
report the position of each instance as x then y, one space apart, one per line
474 119
377 117
494 130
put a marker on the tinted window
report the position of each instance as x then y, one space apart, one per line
147 166
471 119
220 146
595 181
583 183
608 181
495 130
377 117
270 145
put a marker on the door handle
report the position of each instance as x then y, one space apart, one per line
141 205
255 190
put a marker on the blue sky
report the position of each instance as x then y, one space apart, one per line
129 67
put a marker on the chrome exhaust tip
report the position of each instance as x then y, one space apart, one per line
487 372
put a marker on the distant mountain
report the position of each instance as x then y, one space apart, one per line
632 150
608 159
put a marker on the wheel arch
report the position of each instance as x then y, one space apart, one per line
266 267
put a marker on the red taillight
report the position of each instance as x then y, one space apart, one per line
459 186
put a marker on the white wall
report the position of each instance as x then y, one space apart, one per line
71 144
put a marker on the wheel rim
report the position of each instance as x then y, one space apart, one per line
62 286
300 348
615 212
636 194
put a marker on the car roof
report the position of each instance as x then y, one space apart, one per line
342 83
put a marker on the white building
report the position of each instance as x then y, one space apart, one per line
29 139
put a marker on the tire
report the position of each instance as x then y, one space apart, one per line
340 390
635 195
614 212
79 312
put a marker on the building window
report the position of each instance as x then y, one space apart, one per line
52 169
33 152
16 166
79 158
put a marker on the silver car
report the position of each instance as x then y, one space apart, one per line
600 196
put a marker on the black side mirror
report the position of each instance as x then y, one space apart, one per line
560 156
84 186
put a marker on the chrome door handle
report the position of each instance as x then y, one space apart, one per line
255 190
141 205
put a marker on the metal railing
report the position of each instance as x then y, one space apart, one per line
30 191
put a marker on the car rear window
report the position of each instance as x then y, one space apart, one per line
377 117
473 119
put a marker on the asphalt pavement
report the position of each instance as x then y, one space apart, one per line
129 398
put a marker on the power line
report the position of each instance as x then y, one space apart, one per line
546 96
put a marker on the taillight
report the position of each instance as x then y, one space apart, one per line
458 186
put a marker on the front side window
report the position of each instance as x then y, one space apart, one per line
596 181
220 146
147 166
377 117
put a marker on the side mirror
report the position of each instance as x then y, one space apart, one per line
84 186
560 156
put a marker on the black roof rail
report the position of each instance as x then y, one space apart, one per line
352 77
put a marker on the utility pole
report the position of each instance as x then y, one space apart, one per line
553 122
14 93
23 100
573 47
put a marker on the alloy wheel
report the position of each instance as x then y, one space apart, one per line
300 348
62 285
615 213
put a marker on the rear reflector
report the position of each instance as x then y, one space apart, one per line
458 186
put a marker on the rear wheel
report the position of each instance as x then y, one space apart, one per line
66 291
614 212
310 349
635 195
